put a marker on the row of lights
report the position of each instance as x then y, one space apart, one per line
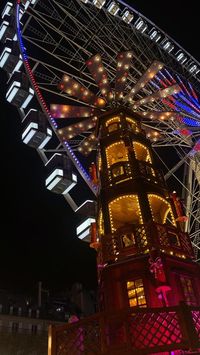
145 79
123 65
98 72
88 144
68 111
75 129
172 90
157 115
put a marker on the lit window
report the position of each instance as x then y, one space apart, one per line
116 152
128 240
161 210
136 294
123 211
117 170
142 152
132 124
188 290
113 127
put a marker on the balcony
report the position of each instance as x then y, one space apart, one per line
121 171
139 239
130 331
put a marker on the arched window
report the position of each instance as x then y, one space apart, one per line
124 210
113 124
132 124
142 152
115 153
161 210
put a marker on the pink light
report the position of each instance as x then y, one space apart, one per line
185 132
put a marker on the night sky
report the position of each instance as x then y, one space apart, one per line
38 239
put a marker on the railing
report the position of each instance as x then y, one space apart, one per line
121 171
144 237
131 331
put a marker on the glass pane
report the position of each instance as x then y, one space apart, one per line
131 293
128 240
139 283
112 127
118 170
130 284
133 302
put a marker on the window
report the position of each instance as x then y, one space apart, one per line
34 329
124 210
136 294
113 124
188 290
173 239
161 210
15 327
116 152
113 127
128 240
142 153
132 124
117 170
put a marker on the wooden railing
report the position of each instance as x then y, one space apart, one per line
131 331
144 238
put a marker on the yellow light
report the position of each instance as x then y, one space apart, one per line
101 102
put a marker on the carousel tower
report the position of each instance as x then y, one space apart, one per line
145 259
148 280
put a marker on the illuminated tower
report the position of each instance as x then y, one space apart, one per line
145 259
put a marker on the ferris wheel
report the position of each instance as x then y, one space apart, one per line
69 60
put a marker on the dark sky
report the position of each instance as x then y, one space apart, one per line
38 227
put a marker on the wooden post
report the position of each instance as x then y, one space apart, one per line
51 340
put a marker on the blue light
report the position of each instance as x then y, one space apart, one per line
191 122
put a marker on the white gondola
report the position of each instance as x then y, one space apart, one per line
83 230
167 45
154 34
26 4
36 132
127 16
10 58
99 3
181 57
141 25
7 9
7 28
61 178
113 8
19 91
